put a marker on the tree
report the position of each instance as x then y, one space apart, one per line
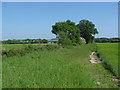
54 41
44 41
88 30
64 40
39 40
68 27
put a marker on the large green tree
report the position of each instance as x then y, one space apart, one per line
64 40
88 30
73 32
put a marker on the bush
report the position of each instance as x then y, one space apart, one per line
55 42
51 47
29 48
22 52
12 52
74 44
4 53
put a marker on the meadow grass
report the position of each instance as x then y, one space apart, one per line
108 52
64 68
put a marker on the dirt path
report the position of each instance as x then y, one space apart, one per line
94 59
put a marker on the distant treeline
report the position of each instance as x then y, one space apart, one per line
33 41
25 41
109 40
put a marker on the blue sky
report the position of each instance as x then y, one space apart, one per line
35 19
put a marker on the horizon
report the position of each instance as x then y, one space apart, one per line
46 39
31 20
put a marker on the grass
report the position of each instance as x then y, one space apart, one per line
65 68
108 52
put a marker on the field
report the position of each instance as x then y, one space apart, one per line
63 68
108 52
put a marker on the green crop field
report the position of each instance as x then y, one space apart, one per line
64 68
109 54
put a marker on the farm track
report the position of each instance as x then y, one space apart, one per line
94 59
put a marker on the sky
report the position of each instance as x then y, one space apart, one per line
22 20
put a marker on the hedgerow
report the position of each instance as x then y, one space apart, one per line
27 49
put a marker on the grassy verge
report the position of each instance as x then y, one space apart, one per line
65 68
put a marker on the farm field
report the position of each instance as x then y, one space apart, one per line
64 68
108 52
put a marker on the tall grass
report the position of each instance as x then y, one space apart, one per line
91 47
64 68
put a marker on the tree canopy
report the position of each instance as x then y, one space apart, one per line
64 40
73 32
88 30
85 29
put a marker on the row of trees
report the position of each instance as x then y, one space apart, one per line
70 32
111 40
25 41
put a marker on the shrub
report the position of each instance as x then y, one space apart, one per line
22 52
51 47
4 53
55 42
29 48
12 52
74 44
